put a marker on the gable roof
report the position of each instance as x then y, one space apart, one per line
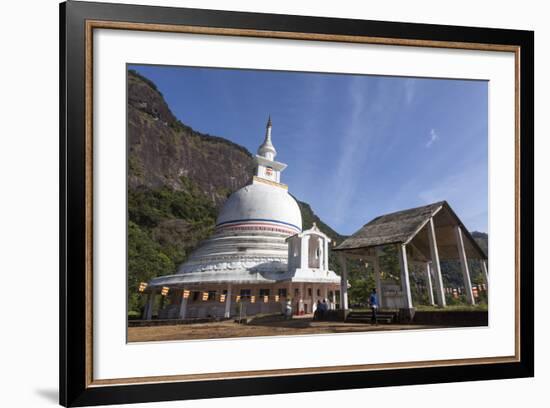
393 228
402 227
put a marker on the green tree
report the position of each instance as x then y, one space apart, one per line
145 261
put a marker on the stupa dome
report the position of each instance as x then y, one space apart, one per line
260 204
249 242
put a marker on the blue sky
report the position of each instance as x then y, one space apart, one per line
356 146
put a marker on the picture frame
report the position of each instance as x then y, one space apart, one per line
78 20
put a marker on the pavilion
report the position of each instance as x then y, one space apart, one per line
424 235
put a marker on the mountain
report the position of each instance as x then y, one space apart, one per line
163 152
482 239
177 180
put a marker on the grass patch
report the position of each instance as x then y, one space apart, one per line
482 307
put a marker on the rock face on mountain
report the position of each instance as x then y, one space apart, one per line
162 151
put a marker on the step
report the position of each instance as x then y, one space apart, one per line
368 316
370 313
369 321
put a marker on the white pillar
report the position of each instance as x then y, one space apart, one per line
429 282
227 313
321 253
436 267
291 243
376 267
326 254
304 252
183 306
485 272
464 266
333 305
150 304
343 283
405 283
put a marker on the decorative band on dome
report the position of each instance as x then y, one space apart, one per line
260 224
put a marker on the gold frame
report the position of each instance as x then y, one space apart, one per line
99 24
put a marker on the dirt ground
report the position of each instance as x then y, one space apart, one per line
228 329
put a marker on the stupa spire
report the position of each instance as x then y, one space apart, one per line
267 149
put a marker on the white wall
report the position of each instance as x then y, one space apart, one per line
28 203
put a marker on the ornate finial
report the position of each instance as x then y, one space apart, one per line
314 226
267 149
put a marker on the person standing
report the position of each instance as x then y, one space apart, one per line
288 309
373 302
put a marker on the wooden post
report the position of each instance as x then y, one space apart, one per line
150 304
429 282
183 306
343 282
464 266
485 272
439 294
146 307
405 283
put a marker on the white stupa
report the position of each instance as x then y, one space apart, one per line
246 260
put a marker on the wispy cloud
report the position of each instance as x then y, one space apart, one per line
410 90
354 142
434 137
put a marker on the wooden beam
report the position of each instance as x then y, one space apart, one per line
439 293
464 266
183 307
149 305
429 281
405 282
423 225
376 268
343 282
485 271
